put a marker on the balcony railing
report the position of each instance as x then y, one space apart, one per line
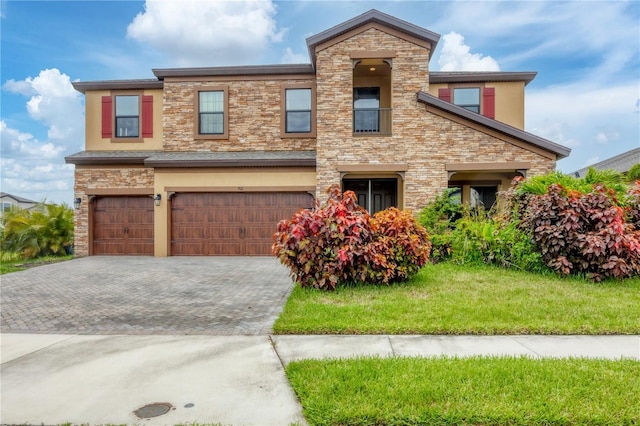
372 121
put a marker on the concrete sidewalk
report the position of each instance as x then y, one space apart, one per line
232 380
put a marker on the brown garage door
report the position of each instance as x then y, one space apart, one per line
122 226
230 224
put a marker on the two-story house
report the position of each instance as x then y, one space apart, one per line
206 161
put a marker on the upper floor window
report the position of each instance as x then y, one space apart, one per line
481 100
366 109
127 116
468 98
298 110
211 112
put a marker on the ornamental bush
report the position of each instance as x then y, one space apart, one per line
398 249
339 242
583 233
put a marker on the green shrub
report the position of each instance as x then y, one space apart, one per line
399 248
583 233
481 239
633 174
340 243
439 218
45 231
538 185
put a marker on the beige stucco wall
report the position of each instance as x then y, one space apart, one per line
254 115
509 100
93 124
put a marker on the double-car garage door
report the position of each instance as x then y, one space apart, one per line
200 224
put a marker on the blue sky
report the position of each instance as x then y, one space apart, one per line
587 55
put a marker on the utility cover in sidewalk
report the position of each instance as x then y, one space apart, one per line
153 410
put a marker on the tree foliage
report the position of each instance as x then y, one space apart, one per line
46 230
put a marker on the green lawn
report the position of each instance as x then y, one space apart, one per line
22 264
468 391
453 299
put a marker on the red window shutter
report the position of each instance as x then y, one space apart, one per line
107 117
147 116
444 94
489 102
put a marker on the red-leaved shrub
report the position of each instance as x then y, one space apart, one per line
583 233
633 209
339 242
399 248
325 245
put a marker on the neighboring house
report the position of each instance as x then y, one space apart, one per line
620 163
227 152
9 201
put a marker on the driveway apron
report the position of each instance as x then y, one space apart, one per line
146 295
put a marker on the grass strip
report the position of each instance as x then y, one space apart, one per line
467 391
7 266
453 299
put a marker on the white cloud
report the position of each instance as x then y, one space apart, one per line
36 169
457 56
199 33
288 57
601 121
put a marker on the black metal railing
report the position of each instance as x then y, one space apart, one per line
372 121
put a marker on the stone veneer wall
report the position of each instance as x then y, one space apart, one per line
336 143
102 178
254 117
420 139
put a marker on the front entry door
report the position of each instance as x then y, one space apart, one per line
373 194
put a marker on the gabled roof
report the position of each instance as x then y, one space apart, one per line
372 16
557 149
16 198
436 77
620 163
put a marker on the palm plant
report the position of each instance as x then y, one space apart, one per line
47 230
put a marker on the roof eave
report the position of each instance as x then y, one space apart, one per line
377 17
84 86
170 163
437 77
557 149
248 70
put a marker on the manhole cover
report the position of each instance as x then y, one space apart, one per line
153 410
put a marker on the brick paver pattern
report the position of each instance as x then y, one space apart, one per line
146 295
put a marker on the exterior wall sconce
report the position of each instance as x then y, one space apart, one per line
156 200
76 202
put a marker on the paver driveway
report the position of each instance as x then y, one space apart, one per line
146 295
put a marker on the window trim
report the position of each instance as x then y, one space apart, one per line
283 110
480 88
124 139
196 113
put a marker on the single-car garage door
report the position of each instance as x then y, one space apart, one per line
230 224
122 226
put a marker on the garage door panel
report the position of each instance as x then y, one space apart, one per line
235 223
188 247
188 231
122 225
